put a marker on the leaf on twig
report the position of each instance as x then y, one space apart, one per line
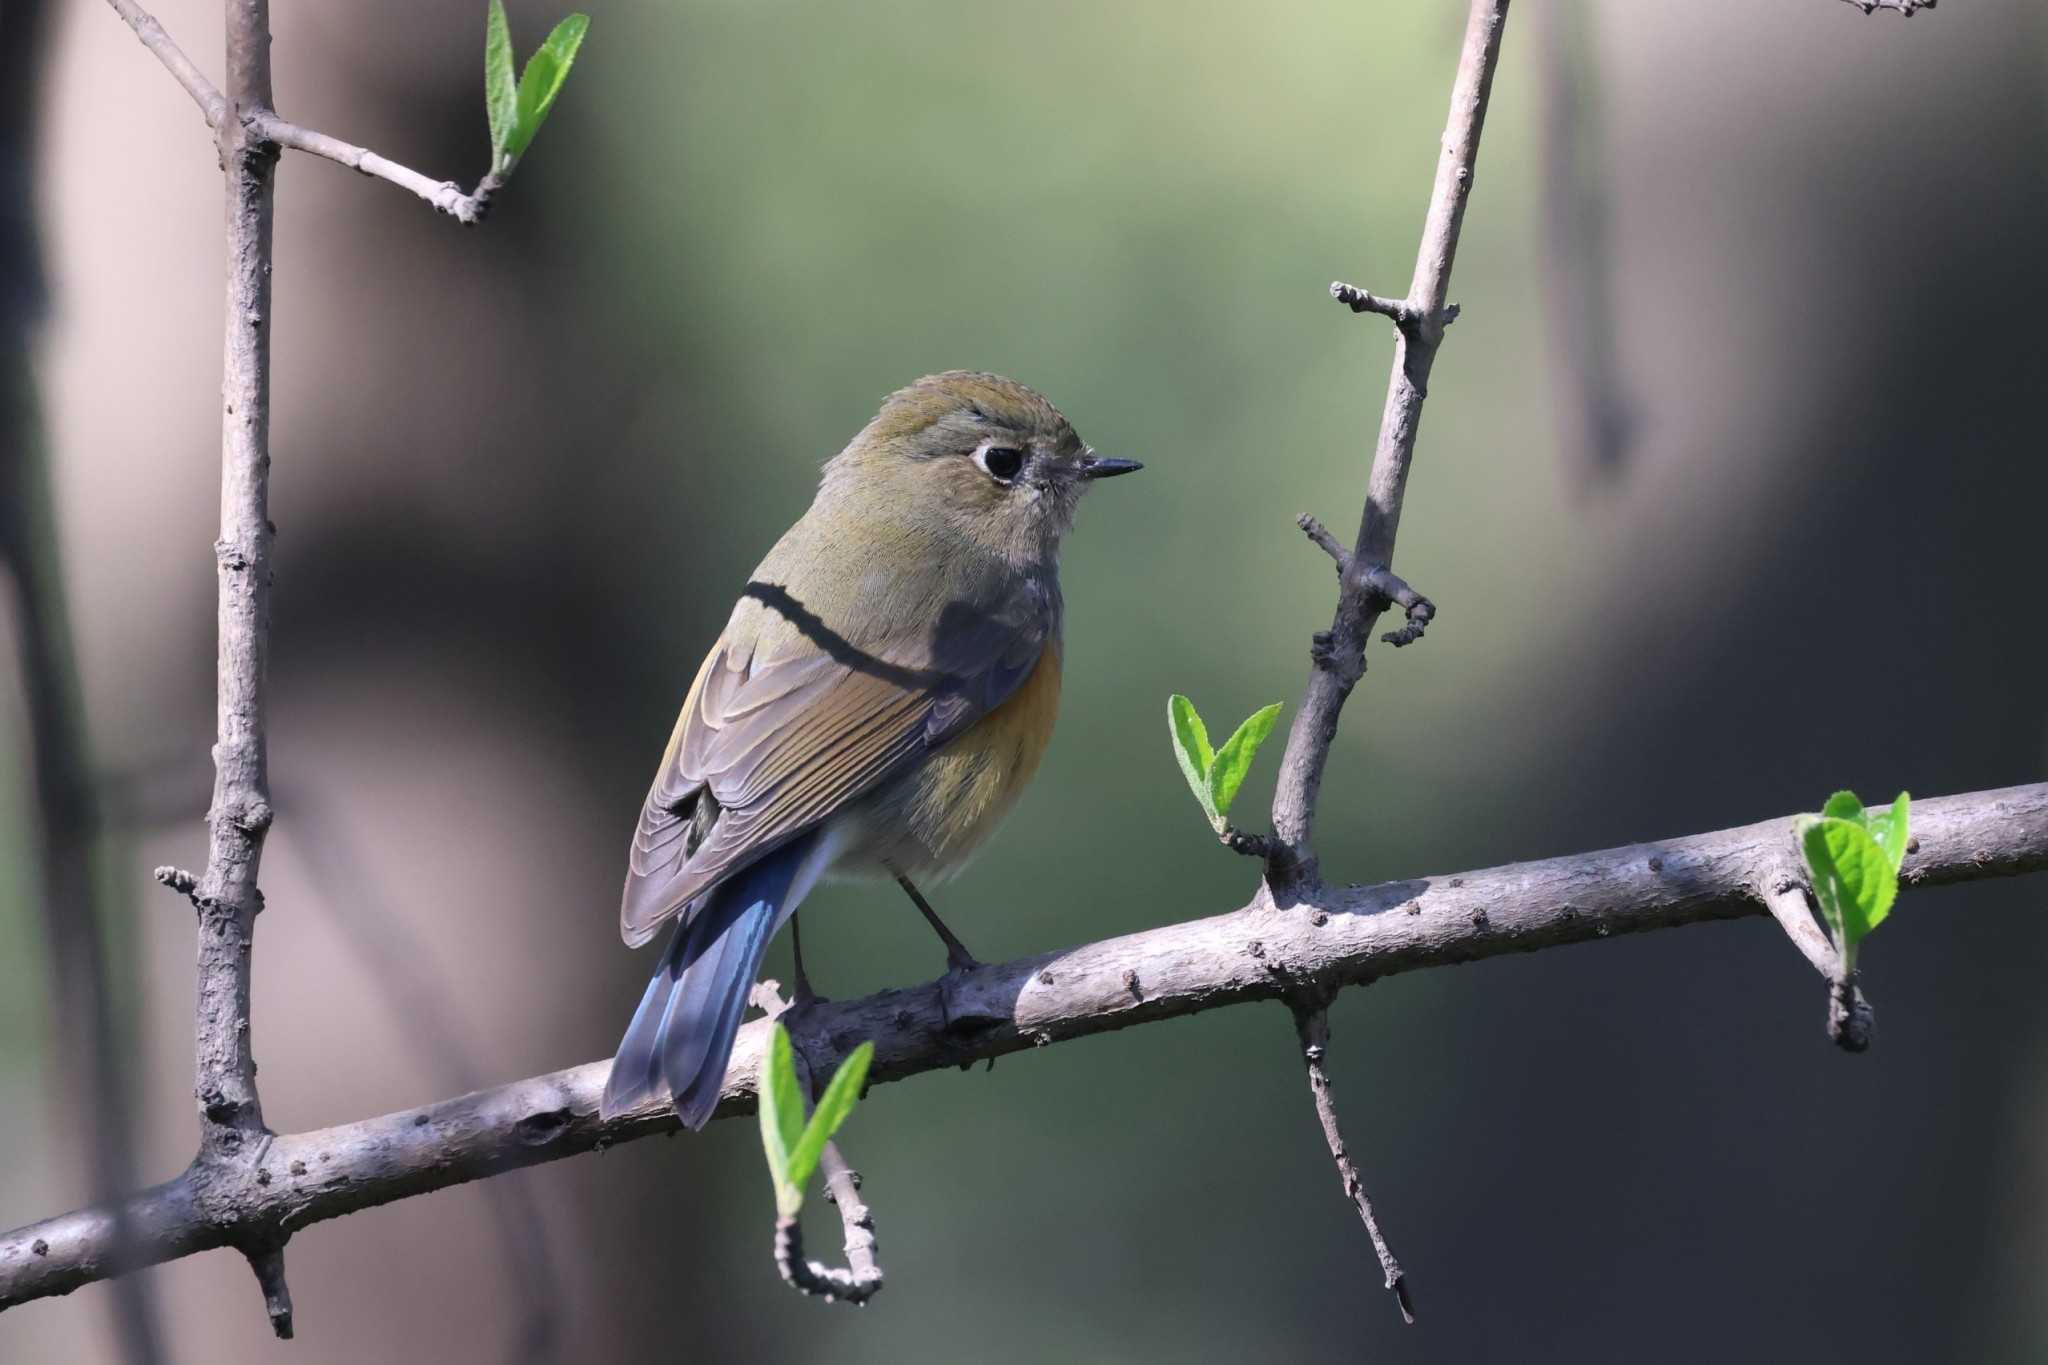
1890 829
542 80
501 92
781 1104
1853 858
793 1146
834 1106
517 109
1191 747
1843 806
1234 759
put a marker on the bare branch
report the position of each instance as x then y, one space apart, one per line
1851 1021
232 1134
1339 653
268 1263
862 1279
266 127
1381 584
1324 541
1312 1027
1262 951
843 1187
445 195
203 92
1400 312
1909 8
1789 905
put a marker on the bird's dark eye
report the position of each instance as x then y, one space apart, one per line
1002 463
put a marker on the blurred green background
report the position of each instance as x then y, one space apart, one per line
522 471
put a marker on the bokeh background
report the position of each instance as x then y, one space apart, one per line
1730 490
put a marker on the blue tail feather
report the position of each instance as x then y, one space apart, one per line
682 1035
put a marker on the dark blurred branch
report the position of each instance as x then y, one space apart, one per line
78 908
1262 951
1312 1028
264 126
396 962
1906 7
1578 273
1419 319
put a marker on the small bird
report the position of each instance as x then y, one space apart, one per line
880 697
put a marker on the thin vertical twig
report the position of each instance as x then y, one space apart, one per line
1367 584
1419 319
231 1126
1312 1028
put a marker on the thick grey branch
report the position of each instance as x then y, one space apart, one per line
1339 653
1262 951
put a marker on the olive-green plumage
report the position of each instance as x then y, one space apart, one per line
882 692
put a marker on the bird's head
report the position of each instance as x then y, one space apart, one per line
975 454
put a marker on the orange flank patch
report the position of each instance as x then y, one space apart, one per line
970 785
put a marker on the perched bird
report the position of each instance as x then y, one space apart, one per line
878 700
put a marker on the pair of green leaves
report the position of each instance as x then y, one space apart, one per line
794 1146
1214 775
517 109
1853 857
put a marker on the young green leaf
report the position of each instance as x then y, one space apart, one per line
542 80
1843 806
1890 829
781 1103
1853 879
833 1108
501 93
1234 759
1191 747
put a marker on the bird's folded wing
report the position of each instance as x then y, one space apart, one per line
781 741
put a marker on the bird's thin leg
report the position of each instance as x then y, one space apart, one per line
958 959
802 996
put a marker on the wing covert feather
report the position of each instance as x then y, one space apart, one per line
773 741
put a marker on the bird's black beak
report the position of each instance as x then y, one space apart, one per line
1098 468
